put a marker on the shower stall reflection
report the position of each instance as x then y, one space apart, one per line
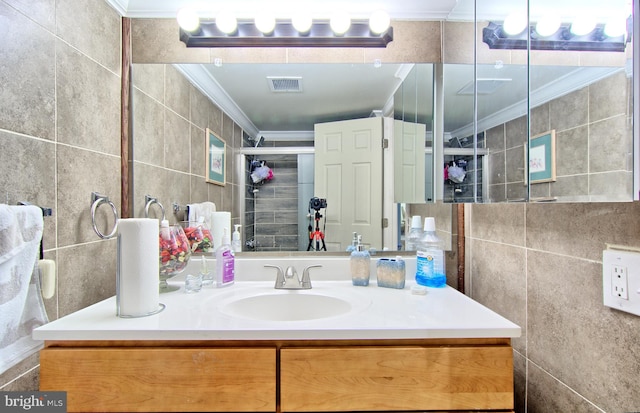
275 209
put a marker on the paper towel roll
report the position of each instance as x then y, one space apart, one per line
138 267
219 221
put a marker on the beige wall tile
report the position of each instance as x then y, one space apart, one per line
158 41
413 42
249 55
177 92
499 223
519 381
27 102
148 129
611 186
201 106
572 151
553 343
86 275
582 230
25 371
177 142
570 110
41 11
149 79
499 283
27 173
608 97
198 151
86 115
547 394
81 172
89 26
607 140
325 55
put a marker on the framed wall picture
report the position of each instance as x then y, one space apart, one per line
542 157
216 159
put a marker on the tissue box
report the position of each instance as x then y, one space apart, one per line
391 272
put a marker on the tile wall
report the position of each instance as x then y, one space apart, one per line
586 123
170 118
60 140
540 265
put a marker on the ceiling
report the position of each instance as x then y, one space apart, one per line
341 91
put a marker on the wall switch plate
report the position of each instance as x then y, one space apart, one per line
621 280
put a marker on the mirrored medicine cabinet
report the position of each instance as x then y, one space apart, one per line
494 124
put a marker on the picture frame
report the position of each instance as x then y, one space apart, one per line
540 158
215 159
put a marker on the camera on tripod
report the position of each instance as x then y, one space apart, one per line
317 203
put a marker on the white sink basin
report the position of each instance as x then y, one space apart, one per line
292 305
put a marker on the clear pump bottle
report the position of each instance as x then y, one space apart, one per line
415 233
430 268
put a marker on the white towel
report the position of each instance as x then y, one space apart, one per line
21 305
204 210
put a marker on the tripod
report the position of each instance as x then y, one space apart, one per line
316 236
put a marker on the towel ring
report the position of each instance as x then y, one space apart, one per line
96 201
148 199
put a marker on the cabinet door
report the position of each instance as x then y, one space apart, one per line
161 379
396 378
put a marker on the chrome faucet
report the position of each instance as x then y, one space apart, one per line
289 280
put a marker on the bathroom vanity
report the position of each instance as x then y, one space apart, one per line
251 348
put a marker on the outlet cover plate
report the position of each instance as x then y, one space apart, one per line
621 280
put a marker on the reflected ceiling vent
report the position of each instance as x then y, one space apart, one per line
287 84
485 86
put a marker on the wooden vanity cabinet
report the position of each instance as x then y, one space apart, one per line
396 378
167 379
287 376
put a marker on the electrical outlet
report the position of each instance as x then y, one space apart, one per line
619 284
621 280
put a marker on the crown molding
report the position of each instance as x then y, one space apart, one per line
202 79
121 6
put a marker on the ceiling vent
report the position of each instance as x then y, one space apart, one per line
286 84
485 86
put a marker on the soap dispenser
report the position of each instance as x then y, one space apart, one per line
236 244
360 263
225 262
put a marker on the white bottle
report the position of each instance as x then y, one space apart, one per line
430 269
415 233
225 262
236 243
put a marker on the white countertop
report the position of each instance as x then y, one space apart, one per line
378 313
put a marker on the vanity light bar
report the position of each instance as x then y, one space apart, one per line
285 35
596 41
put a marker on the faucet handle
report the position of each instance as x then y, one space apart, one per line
306 279
279 277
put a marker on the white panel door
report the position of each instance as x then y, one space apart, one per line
409 171
348 174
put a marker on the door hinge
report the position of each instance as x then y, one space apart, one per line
385 143
385 222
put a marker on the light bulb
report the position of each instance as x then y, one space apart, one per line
265 22
379 21
188 19
226 22
548 25
302 22
340 22
582 25
515 23
615 26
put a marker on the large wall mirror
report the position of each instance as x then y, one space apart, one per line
492 124
542 117
275 107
